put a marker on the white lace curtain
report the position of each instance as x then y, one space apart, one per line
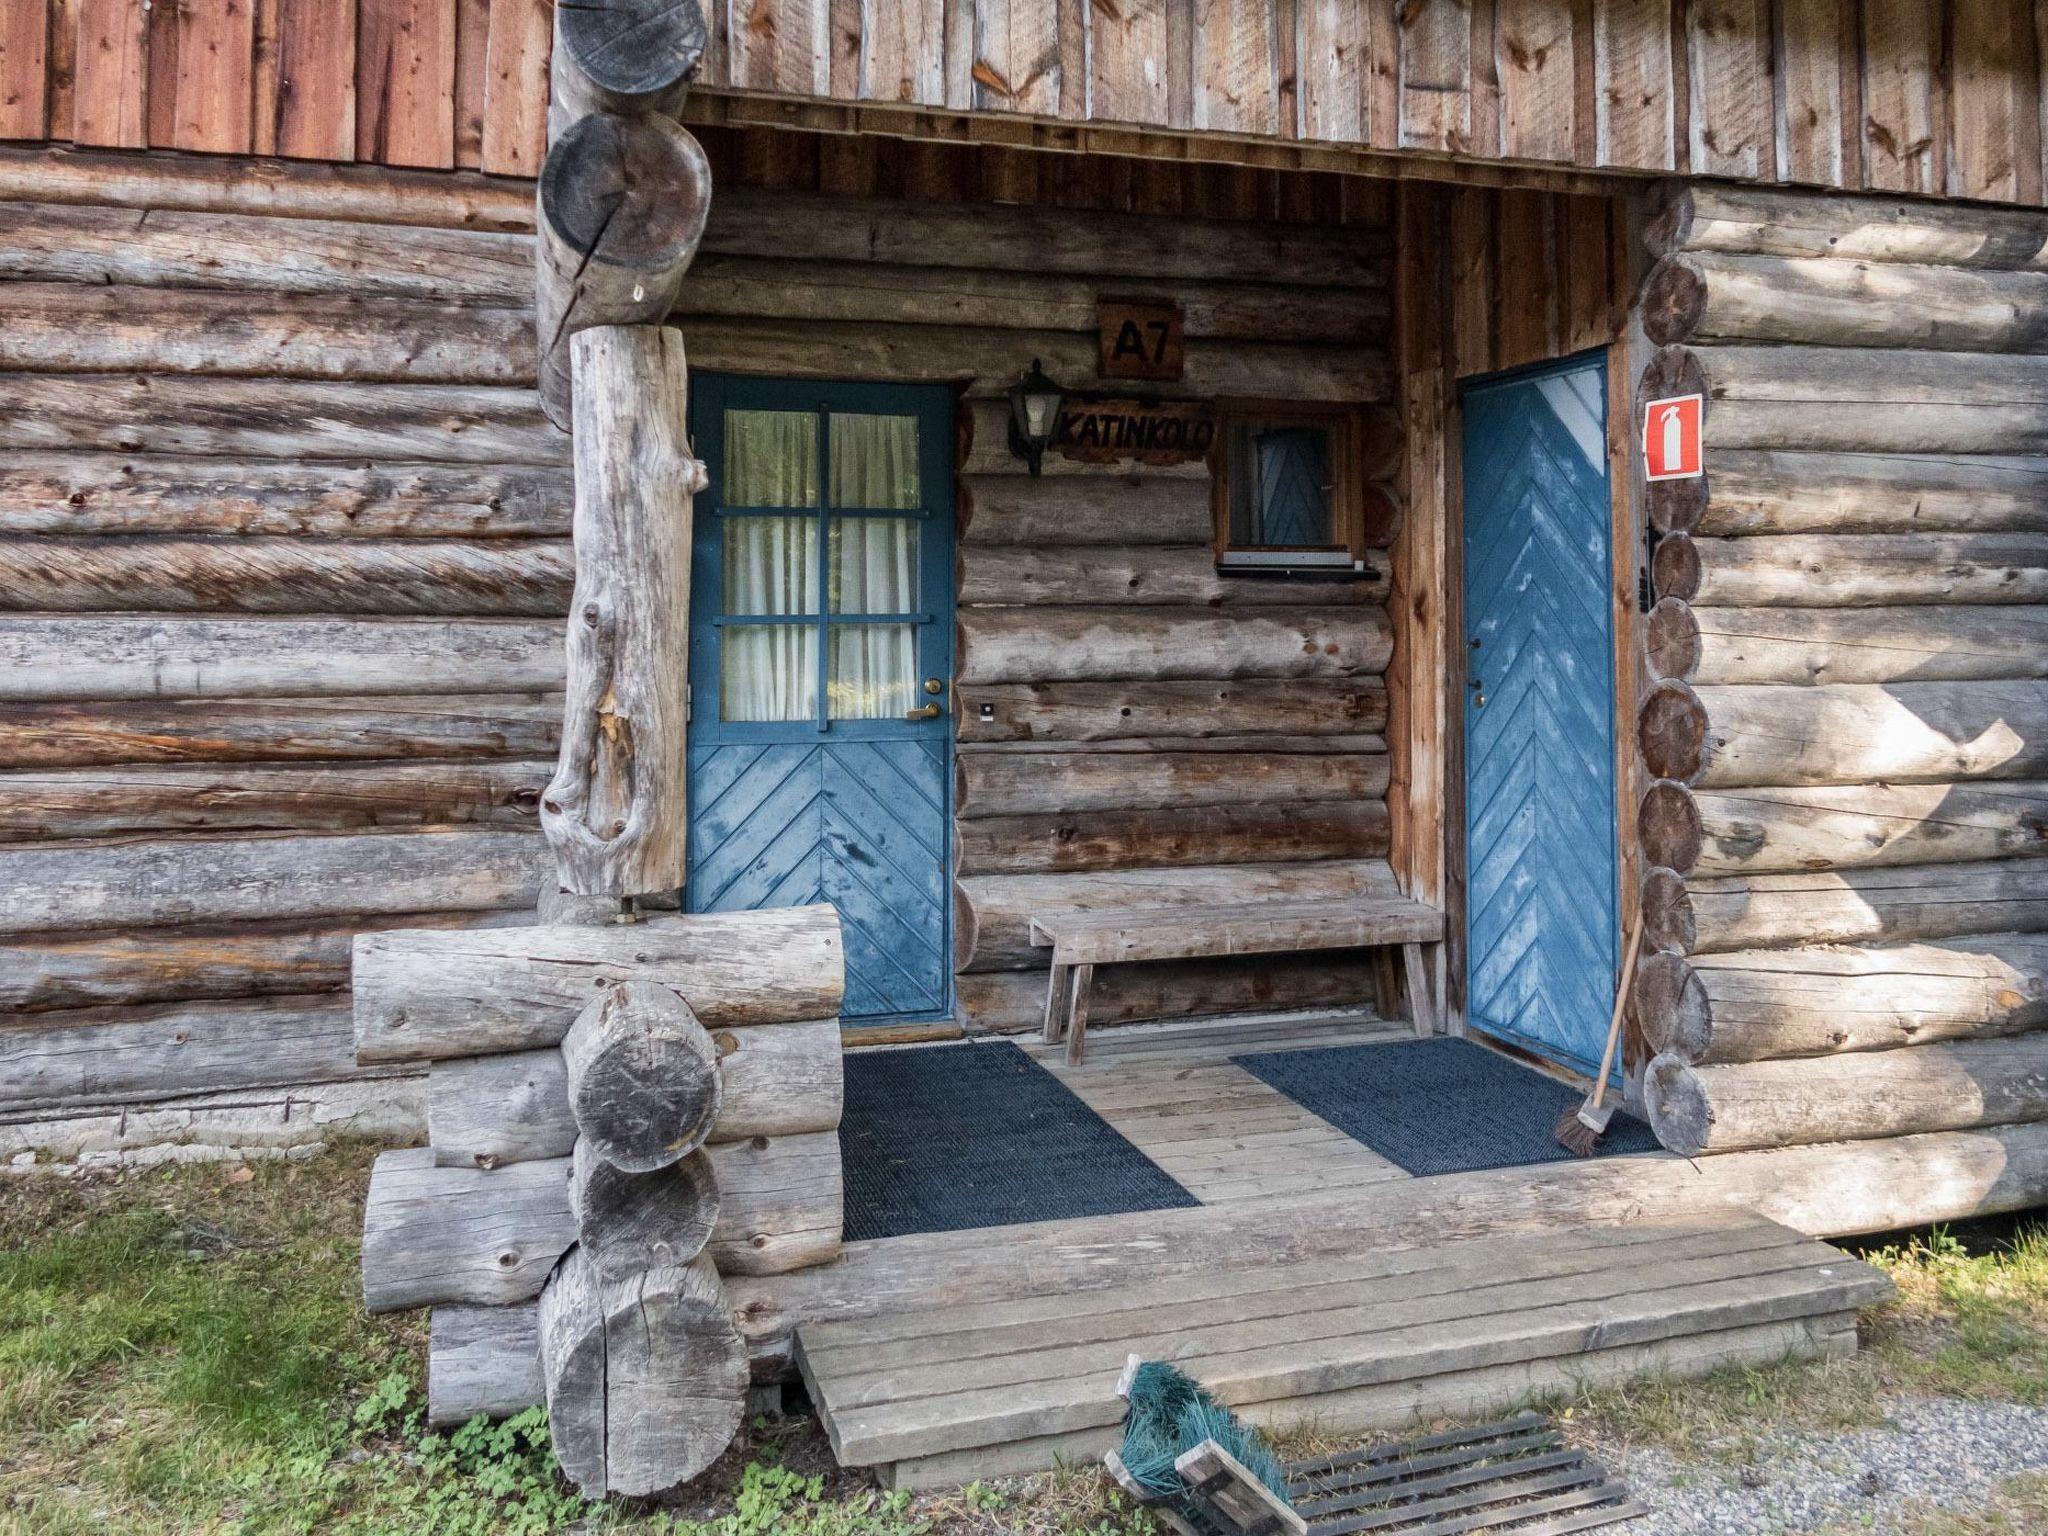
770 672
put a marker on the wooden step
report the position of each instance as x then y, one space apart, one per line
945 1394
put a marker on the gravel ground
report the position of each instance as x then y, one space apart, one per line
1941 1453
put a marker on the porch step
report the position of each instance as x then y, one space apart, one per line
941 1395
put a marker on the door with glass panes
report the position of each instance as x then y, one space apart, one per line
821 668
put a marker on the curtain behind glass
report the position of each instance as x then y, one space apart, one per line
874 566
770 672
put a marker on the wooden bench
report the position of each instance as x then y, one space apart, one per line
1080 941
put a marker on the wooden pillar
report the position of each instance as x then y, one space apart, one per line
614 811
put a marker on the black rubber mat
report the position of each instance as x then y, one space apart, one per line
1437 1106
945 1138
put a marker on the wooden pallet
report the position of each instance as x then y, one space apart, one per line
940 1395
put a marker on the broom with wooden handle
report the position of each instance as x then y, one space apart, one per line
1580 1130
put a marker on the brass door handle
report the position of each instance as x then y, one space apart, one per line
924 712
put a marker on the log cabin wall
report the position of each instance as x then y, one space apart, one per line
1152 727
283 555
1849 726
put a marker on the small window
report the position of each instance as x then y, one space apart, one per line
1284 497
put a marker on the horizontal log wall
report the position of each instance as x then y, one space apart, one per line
1849 719
283 548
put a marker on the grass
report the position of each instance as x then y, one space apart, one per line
1970 1321
185 1351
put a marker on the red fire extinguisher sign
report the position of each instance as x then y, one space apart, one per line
1671 438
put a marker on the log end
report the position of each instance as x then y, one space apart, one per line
1671 638
629 1222
641 48
1674 301
1671 731
1668 921
1669 229
1670 371
1672 1007
1676 506
1679 1112
645 1086
626 192
1668 827
1675 567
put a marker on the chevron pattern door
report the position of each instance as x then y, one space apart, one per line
1541 842
820 668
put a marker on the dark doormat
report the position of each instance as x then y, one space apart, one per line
948 1137
1437 1106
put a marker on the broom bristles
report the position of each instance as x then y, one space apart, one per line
1169 1414
1576 1136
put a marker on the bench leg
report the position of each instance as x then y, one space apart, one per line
1386 993
1421 1006
1077 1014
1056 1004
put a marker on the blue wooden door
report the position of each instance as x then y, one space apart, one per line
820 670
1541 844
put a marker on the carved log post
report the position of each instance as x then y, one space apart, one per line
621 203
646 1376
614 814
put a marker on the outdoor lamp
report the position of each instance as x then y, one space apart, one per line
1034 415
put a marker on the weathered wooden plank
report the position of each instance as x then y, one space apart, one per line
1101 937
312 110
1987 40
1534 48
156 882
24 71
211 91
1081 644
1016 65
85 243
423 996
1632 61
1436 75
101 802
405 82
515 87
1904 146
1729 87
1235 84
1268 710
1013 1002
1128 63
903 53
161 494
1813 125
139 657
110 84
992 913
277 418
1336 55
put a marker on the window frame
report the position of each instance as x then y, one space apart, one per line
1345 424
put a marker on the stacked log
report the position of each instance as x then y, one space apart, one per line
618 1116
1848 731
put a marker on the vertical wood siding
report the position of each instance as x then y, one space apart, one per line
1885 95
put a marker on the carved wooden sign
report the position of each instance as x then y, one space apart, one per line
1150 431
1139 339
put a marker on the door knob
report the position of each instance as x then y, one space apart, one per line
924 712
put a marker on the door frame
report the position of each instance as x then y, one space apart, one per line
1621 568
938 408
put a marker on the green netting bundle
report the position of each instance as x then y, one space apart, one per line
1170 1413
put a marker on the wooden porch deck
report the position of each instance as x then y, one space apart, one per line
1173 1092
1316 1282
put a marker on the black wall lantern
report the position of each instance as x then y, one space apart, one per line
1034 415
